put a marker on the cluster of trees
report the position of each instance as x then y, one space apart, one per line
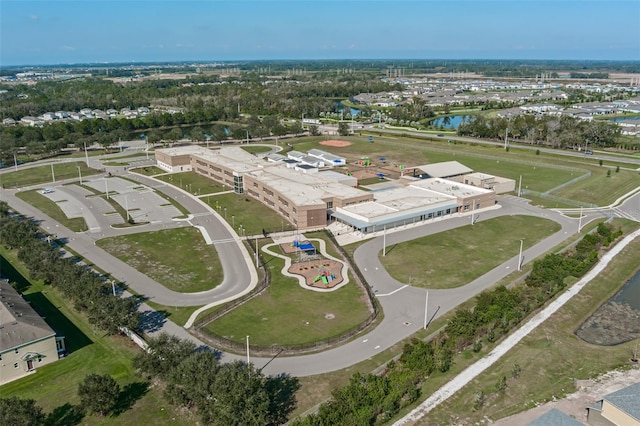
222 394
557 132
89 291
98 394
373 400
551 271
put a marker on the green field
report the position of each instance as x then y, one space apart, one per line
287 314
193 183
539 173
55 386
455 258
52 210
251 214
256 149
178 258
42 174
551 357
148 170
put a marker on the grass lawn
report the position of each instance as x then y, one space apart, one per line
192 266
286 314
600 189
256 149
55 386
42 174
52 210
177 314
551 357
148 170
456 257
243 210
540 173
194 183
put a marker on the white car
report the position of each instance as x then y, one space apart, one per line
46 191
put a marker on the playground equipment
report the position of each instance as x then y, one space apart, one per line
302 246
363 161
325 276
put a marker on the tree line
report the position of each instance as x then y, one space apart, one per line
225 394
557 132
89 292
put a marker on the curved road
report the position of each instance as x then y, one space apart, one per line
403 305
239 275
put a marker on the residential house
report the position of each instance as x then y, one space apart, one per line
26 340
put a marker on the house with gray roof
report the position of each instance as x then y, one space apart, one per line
555 417
620 408
26 340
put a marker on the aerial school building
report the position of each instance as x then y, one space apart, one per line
311 197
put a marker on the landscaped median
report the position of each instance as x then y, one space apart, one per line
178 258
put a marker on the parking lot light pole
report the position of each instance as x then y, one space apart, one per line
520 257
248 359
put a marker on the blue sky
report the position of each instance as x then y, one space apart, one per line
90 31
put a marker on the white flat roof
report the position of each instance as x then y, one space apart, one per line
303 189
449 187
419 197
444 169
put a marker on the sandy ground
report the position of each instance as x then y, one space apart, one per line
576 404
335 143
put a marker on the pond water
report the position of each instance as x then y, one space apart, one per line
630 292
616 321
619 119
451 122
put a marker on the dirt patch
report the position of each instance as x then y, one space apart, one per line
336 143
575 404
613 323
321 273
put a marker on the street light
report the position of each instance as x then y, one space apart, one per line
520 257
80 174
225 213
248 360
233 220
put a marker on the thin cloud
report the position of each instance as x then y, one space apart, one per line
33 17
